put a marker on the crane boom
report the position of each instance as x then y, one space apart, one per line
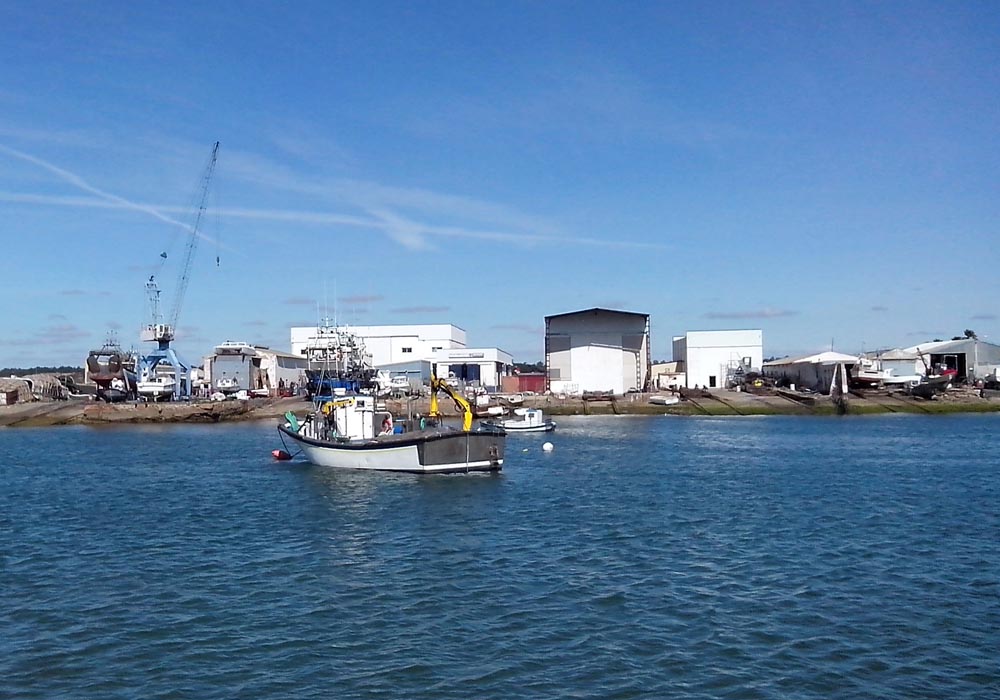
185 270
460 403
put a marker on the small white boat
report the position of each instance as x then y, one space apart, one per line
228 385
352 432
529 420
157 388
663 400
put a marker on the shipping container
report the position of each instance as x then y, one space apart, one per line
531 382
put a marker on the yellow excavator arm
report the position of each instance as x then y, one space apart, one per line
460 403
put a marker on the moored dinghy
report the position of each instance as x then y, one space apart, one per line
529 420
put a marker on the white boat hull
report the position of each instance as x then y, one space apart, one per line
532 420
661 400
155 389
546 427
433 452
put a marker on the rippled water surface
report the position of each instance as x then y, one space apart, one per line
644 557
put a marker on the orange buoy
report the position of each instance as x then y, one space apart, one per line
280 455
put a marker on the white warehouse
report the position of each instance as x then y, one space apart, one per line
597 350
711 357
393 344
485 367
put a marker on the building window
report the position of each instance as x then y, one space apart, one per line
435 348
407 349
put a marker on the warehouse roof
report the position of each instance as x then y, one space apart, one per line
823 358
596 310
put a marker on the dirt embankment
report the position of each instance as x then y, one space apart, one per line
737 403
44 413
718 403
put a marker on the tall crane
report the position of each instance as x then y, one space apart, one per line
162 333
157 330
185 271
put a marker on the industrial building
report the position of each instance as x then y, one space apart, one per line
971 358
389 345
897 363
597 350
485 367
411 349
418 372
253 367
669 376
815 372
714 359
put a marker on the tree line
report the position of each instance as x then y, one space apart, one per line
21 371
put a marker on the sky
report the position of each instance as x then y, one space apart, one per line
824 171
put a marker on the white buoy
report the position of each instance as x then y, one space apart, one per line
548 447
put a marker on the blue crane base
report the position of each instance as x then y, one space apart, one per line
165 355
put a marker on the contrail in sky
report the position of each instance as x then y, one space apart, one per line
109 198
407 232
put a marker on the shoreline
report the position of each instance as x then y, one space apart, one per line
716 403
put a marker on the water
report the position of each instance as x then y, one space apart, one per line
645 557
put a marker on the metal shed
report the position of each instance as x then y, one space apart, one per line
597 350
816 372
973 359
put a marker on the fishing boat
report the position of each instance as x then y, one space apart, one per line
528 420
936 380
338 361
112 370
352 431
930 385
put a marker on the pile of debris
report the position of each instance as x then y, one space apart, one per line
33 387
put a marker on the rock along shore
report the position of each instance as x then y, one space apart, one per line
718 403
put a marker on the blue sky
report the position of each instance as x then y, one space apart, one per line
823 171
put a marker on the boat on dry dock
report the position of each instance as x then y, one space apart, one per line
664 400
112 370
338 360
159 387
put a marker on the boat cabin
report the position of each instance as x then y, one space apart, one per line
351 418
